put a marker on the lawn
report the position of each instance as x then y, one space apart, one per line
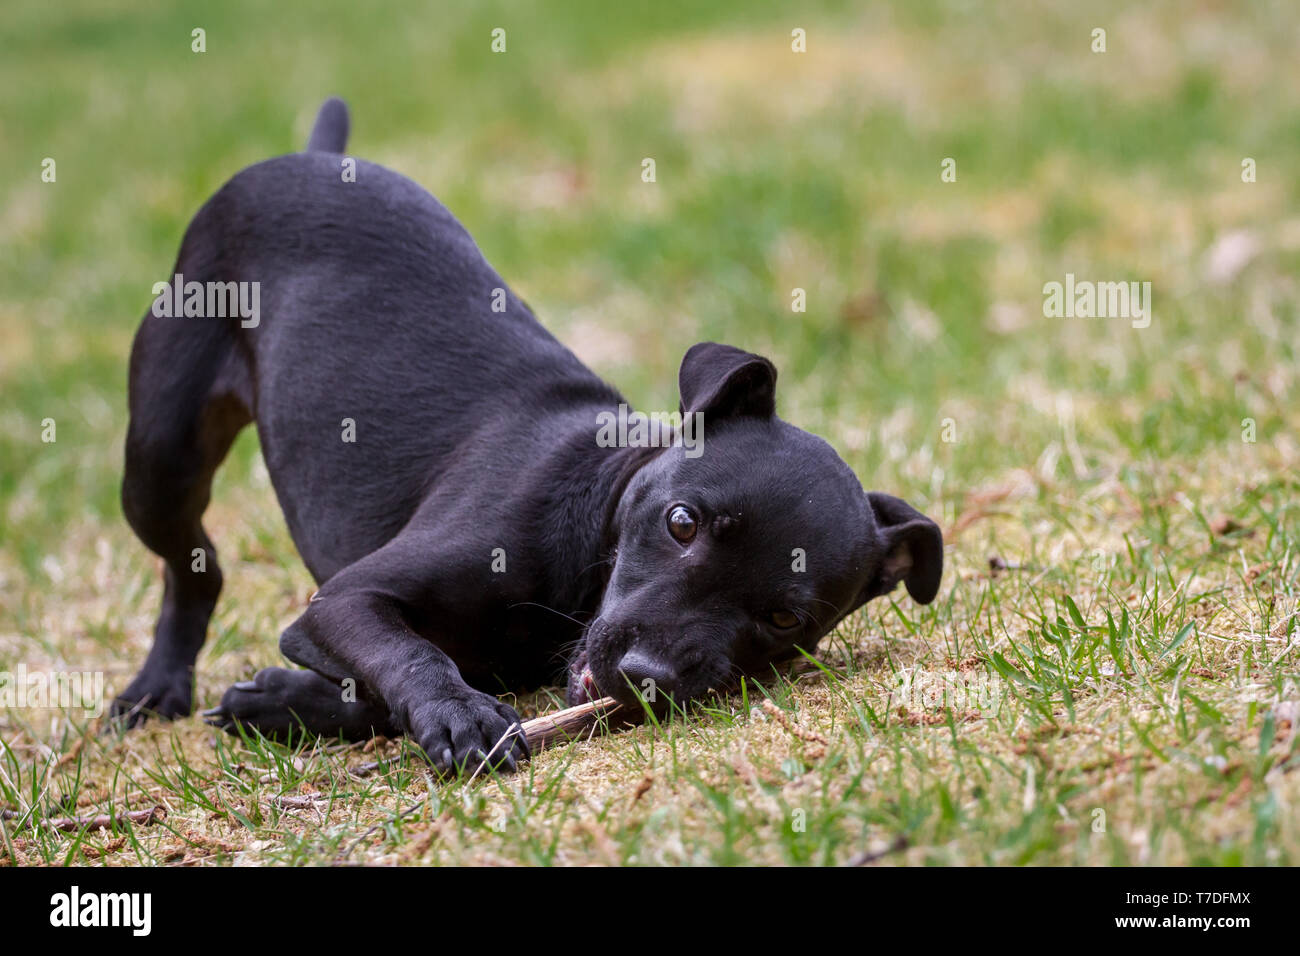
1109 675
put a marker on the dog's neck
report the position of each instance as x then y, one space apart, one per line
579 525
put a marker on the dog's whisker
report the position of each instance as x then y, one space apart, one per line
564 654
596 564
552 610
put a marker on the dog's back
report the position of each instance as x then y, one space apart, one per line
384 340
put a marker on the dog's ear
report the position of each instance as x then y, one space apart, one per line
722 381
911 549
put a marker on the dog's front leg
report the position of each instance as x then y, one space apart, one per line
361 633
377 672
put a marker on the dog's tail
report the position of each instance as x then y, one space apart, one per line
330 134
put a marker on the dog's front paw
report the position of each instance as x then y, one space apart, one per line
460 731
165 694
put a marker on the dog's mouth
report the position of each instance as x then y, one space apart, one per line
650 669
582 683
584 688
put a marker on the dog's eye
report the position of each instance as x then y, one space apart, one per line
784 620
681 524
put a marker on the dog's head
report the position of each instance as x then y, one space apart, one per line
731 560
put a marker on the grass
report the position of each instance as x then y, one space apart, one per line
1110 673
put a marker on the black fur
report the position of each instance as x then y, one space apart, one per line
475 441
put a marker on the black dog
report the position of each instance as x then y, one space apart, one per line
473 529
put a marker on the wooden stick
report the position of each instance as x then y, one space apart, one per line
541 732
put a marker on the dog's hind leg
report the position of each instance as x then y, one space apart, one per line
189 397
282 703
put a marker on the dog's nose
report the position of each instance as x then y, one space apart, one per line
648 675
